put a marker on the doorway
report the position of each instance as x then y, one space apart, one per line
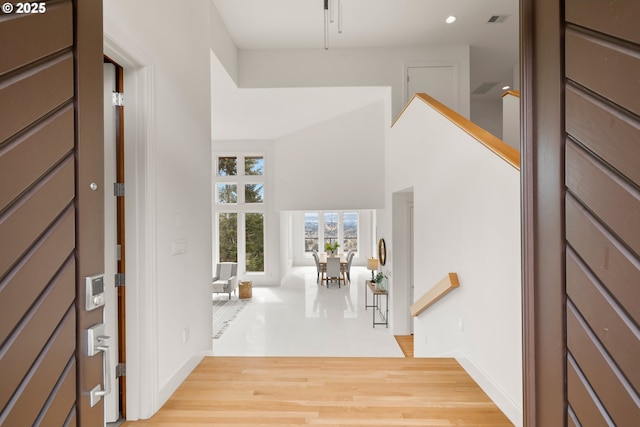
115 325
402 261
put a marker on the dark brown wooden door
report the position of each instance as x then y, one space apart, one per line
582 212
50 217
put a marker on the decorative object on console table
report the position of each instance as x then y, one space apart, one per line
372 264
381 281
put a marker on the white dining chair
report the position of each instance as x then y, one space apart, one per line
334 271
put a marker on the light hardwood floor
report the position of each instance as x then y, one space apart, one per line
297 391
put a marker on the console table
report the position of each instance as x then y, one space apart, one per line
376 303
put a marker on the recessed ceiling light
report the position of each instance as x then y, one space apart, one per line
506 87
450 19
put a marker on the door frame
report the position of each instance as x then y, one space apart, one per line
142 399
542 166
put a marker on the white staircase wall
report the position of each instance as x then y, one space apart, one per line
466 220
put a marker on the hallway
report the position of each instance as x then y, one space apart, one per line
317 360
301 318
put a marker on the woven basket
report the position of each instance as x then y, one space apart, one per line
245 289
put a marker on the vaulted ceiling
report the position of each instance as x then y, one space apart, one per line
299 24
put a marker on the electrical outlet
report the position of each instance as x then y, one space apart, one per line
426 339
460 325
185 335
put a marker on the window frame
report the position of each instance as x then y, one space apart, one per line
321 222
241 207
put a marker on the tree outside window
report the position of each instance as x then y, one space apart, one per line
254 241
254 193
228 237
254 165
227 166
227 194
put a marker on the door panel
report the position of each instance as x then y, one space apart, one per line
608 324
32 277
54 33
610 133
619 21
613 264
55 134
602 217
35 93
49 152
606 68
582 212
604 192
582 405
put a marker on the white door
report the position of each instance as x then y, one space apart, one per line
112 407
437 81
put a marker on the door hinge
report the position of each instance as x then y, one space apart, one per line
118 99
121 370
118 189
120 279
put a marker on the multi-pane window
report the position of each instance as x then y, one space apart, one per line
228 237
227 193
240 206
330 228
310 231
254 241
254 165
350 231
254 193
227 166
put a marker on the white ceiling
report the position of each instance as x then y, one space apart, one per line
282 24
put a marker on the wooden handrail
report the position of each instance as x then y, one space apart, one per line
515 93
435 293
496 145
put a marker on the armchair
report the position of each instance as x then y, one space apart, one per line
226 278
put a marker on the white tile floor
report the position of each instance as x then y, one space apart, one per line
301 318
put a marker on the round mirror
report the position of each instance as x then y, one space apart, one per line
382 251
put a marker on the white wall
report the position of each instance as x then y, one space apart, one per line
222 44
488 115
173 175
337 164
511 120
272 217
467 220
349 67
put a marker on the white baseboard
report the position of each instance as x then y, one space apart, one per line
182 374
506 404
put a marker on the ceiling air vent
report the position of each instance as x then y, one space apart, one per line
496 19
484 88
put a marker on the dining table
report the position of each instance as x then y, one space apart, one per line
323 264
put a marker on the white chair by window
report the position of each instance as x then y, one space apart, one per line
226 278
334 270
